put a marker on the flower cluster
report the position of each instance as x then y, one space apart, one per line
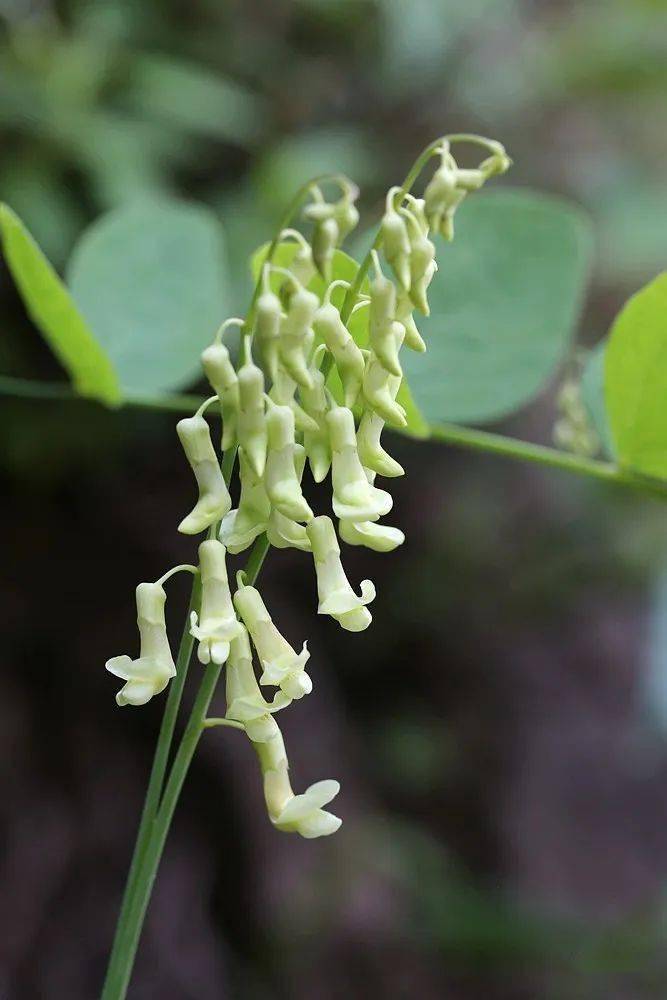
318 378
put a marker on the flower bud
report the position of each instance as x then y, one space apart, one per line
380 387
282 392
150 673
289 812
441 192
252 419
245 702
282 665
241 526
396 245
214 499
371 453
379 537
382 333
354 498
302 265
296 335
217 624
267 329
413 338
316 442
219 371
282 532
336 597
349 360
346 216
422 258
280 477
326 235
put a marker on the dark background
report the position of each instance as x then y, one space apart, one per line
499 731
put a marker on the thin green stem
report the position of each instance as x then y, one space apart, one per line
454 434
498 444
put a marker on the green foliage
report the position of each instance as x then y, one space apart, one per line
503 306
54 312
636 380
150 280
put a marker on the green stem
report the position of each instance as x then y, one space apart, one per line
498 444
454 434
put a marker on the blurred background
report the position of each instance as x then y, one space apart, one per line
500 731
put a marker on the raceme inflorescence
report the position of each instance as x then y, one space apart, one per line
316 380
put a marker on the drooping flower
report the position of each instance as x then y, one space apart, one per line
268 316
214 499
217 624
292 813
395 241
379 537
326 235
241 526
220 372
150 673
282 532
413 339
301 265
316 441
354 498
252 419
245 701
282 665
330 329
282 392
383 334
336 597
371 453
379 387
296 335
282 483
345 211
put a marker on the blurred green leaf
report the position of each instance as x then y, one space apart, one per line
194 99
151 280
344 268
296 159
592 394
636 380
504 305
53 310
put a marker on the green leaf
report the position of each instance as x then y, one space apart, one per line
504 305
592 394
636 380
344 268
150 279
53 310
188 96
